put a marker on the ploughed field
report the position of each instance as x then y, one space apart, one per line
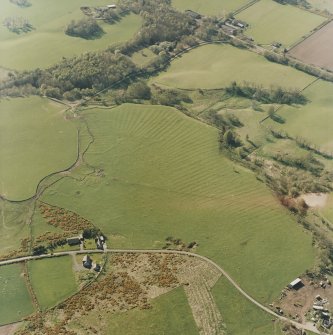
316 49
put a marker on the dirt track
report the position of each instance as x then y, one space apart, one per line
317 49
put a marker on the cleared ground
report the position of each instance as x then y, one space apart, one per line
210 7
14 295
272 22
317 49
52 280
47 43
311 120
35 140
161 174
216 66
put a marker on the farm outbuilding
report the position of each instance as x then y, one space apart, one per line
296 284
111 6
74 241
87 262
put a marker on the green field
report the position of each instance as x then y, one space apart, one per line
52 280
47 43
210 7
327 211
13 226
311 121
143 57
163 176
216 66
240 315
322 4
170 314
273 22
35 140
14 295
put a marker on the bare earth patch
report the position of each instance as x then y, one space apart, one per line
317 49
297 303
9 329
317 200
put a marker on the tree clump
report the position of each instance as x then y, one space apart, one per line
86 28
21 3
17 24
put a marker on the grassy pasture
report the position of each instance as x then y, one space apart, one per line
216 66
170 315
210 7
272 22
143 57
35 141
240 315
164 175
14 295
47 43
311 121
322 4
52 280
13 226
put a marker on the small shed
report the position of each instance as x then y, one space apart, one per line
74 241
192 14
111 6
296 284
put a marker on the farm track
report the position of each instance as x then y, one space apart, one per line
306 327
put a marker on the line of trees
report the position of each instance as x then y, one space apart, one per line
21 3
17 24
302 3
277 95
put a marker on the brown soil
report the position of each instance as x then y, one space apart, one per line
317 200
317 49
9 330
296 303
